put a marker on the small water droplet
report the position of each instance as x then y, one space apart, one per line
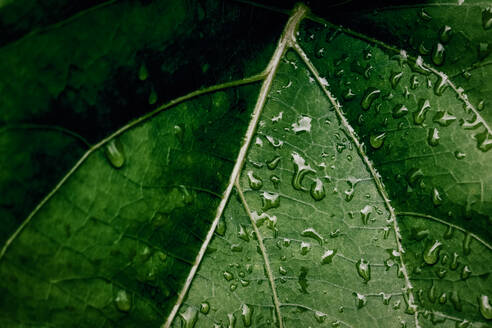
414 82
360 300
395 78
123 301
376 140
114 153
365 213
320 316
370 95
143 74
236 248
433 137
455 300
419 116
272 164
459 154
246 314
418 66
463 324
444 118
204 307
386 298
318 190
349 95
231 317
454 262
327 257
300 170
364 269
274 143
445 33
221 227
260 219
424 15
305 248
269 200
302 124
233 287
242 233
465 272
487 18
443 298
255 183
484 141
282 270
399 110
438 54
431 253
466 244
152 97
189 317
485 307
311 233
228 276
436 197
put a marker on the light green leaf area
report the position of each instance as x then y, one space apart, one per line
432 149
112 245
331 251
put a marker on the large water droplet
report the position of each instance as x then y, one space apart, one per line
300 170
327 257
123 301
269 200
189 317
114 153
318 190
438 54
254 182
272 164
365 213
485 307
419 116
246 314
364 269
399 110
431 253
370 95
487 18
311 233
444 118
433 137
302 124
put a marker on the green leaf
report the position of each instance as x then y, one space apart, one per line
351 189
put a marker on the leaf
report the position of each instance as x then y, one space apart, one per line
358 197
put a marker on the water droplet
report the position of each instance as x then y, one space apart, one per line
204 307
441 84
414 82
487 18
465 272
418 66
463 324
152 97
270 200
360 300
114 153
431 253
320 316
395 78
349 95
436 197
143 74
376 140
260 219
484 141
445 33
233 287
386 298
123 301
305 248
236 248
221 227
300 170
282 270
438 54
454 262
432 293
483 50
242 233
485 307
433 137
370 95
302 124
318 190
441 273
254 182
228 276
232 320
424 15
399 110
246 314
311 233
189 317
455 300
466 244
272 165
328 256
419 116
365 213
444 118
459 154
363 269
274 143
481 105
443 298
